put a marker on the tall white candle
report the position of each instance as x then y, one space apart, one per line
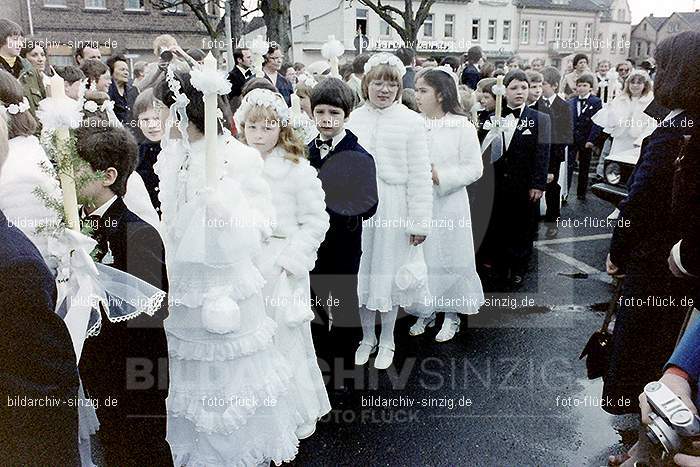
499 98
66 177
296 104
210 124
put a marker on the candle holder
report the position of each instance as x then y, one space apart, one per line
332 51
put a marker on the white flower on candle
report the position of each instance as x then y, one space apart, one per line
91 106
498 90
210 82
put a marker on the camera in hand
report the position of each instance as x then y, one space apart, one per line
166 55
672 423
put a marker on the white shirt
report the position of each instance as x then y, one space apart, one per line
578 103
550 99
511 124
242 70
103 209
336 139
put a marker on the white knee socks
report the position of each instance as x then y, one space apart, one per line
368 318
388 321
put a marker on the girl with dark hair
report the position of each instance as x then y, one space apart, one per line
36 54
455 158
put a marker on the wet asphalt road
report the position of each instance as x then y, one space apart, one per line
509 390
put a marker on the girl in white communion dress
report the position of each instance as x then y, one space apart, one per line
229 402
301 226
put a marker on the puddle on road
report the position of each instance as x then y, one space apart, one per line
594 429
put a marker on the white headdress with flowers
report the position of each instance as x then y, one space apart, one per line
14 109
385 58
307 80
177 109
264 98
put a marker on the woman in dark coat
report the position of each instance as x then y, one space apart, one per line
651 310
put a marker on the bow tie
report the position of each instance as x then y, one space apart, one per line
515 112
583 100
248 74
320 143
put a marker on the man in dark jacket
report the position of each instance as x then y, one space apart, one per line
471 73
408 58
38 372
238 76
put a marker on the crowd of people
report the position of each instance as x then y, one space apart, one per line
342 198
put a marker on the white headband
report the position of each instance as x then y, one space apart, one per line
14 109
264 98
385 58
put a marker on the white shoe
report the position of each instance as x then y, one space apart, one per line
306 430
448 330
385 357
363 352
419 327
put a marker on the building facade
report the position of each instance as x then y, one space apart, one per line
124 26
651 30
553 30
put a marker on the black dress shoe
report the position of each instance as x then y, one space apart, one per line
516 280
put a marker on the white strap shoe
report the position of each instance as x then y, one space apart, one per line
385 357
419 327
364 351
448 330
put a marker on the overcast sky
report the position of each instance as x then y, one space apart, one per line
642 8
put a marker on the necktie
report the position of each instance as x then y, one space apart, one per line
248 74
582 105
546 104
515 112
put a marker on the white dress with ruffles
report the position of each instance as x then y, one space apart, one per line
229 402
396 138
300 227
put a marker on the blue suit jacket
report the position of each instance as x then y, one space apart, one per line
349 179
37 359
585 131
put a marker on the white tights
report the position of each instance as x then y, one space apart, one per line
368 319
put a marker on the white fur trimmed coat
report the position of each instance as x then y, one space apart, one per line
301 218
396 138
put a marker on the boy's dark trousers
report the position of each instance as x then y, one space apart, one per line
584 165
552 196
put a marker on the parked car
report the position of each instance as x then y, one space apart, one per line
617 171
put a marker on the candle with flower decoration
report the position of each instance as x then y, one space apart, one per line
66 175
331 51
499 98
258 48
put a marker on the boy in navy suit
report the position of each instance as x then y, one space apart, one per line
348 176
127 360
561 137
583 106
38 361
520 179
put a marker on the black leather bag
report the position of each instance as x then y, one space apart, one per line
597 349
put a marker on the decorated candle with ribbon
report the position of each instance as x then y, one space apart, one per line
331 51
258 48
66 175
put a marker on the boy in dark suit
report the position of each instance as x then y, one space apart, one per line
561 137
520 179
348 176
583 106
127 361
38 361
